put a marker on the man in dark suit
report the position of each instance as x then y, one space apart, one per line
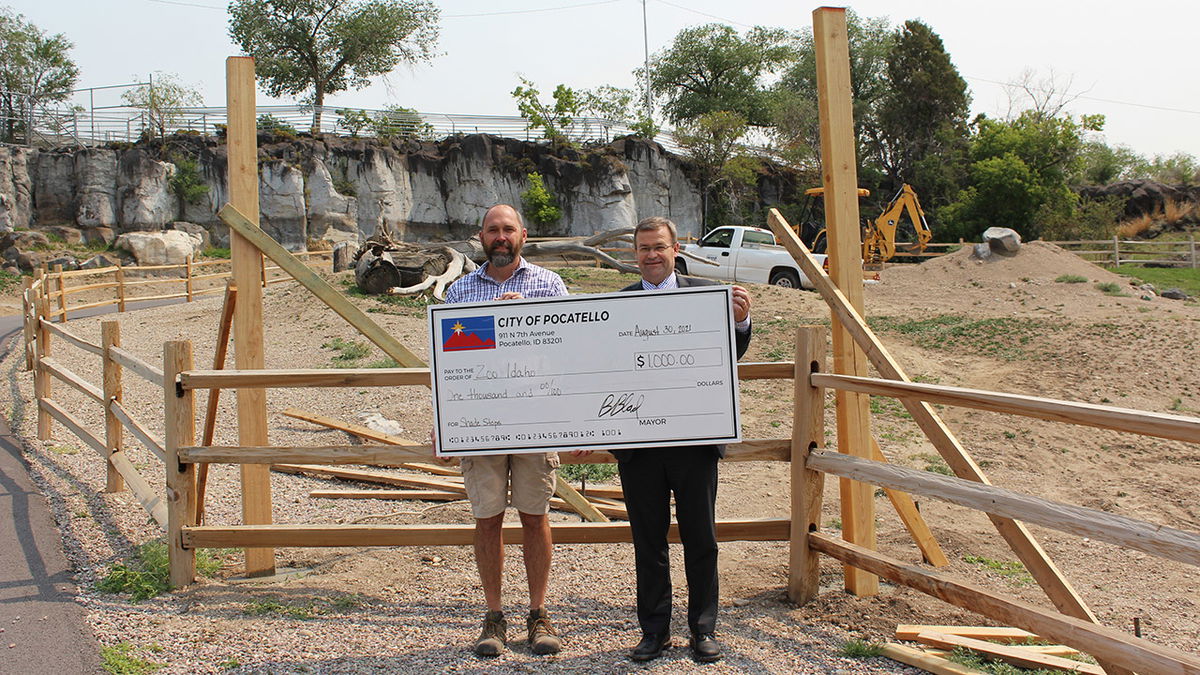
650 475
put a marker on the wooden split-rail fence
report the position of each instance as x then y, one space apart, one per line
171 497
117 285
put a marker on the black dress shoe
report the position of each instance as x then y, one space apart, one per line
705 648
651 647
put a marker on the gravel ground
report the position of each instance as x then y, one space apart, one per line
393 609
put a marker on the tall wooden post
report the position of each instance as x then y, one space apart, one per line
27 319
838 166
179 408
62 293
247 264
119 275
188 278
808 486
114 434
41 377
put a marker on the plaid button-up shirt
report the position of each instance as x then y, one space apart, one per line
530 280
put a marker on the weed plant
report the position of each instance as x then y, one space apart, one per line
348 352
146 575
1111 288
861 649
119 659
1012 570
1071 279
1008 338
597 473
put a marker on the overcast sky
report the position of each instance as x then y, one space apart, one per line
1130 62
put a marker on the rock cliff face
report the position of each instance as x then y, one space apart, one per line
342 188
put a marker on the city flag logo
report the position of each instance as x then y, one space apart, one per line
469 332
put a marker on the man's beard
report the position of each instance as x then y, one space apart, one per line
503 257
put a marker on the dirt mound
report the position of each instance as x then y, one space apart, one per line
1036 260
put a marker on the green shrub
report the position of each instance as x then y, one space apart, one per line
146 574
396 121
274 125
348 353
187 183
861 649
217 252
1111 288
540 205
8 280
353 121
120 660
591 472
345 187
1070 279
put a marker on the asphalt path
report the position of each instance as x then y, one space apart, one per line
42 628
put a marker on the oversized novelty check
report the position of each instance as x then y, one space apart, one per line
609 371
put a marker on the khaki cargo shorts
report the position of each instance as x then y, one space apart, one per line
488 478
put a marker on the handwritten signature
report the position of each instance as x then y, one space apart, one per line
614 405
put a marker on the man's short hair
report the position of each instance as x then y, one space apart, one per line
655 223
520 219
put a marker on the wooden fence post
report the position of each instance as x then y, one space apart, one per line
179 407
1192 241
41 377
188 278
1116 250
27 321
114 436
120 277
808 486
62 293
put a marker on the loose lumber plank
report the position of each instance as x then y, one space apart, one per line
306 378
425 495
1102 642
329 454
909 632
577 502
150 500
1160 540
1022 542
835 112
74 339
53 409
450 535
370 434
1007 653
911 517
447 484
145 437
68 377
246 263
925 661
235 218
1161 425
137 366
807 485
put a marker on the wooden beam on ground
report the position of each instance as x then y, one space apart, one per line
807 485
450 535
577 502
370 434
1106 644
995 633
1159 540
444 484
224 328
835 110
424 495
247 265
1010 654
1145 423
927 662
1026 548
911 516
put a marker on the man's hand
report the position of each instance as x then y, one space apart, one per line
444 461
511 295
741 304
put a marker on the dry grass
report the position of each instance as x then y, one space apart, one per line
1173 213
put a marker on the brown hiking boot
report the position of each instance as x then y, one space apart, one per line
543 639
491 641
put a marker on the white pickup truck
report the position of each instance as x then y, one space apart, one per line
746 255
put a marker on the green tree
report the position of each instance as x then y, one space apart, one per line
624 106
923 112
540 204
1103 164
1020 174
711 68
162 98
321 47
552 118
35 68
726 172
1177 169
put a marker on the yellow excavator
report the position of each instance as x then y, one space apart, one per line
879 235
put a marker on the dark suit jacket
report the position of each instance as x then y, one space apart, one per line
741 339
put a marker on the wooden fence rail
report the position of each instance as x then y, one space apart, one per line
1116 251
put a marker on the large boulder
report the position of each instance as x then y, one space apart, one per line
170 247
24 239
68 235
16 189
54 187
1002 240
